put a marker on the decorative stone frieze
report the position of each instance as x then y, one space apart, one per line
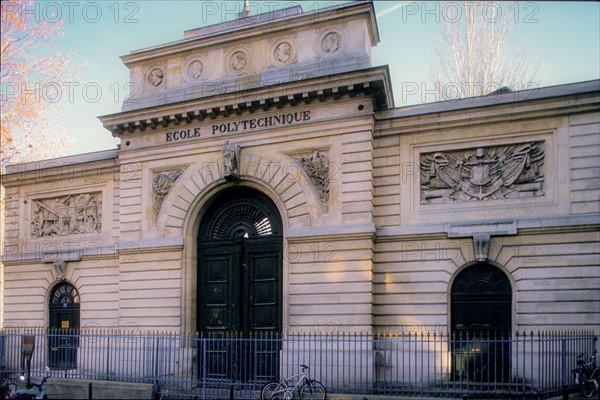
483 173
161 184
66 215
226 57
316 166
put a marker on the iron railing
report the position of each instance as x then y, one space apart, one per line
415 364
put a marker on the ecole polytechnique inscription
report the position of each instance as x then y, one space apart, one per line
483 173
237 126
66 215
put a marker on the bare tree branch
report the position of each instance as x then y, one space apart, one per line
475 53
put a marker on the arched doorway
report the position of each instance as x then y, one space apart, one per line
240 282
63 323
481 311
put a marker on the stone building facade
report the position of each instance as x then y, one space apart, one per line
265 181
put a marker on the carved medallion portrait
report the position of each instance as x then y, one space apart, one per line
155 77
194 69
331 42
283 52
238 61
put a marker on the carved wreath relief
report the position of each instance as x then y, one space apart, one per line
161 184
316 166
66 215
484 173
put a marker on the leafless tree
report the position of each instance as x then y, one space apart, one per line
32 77
476 53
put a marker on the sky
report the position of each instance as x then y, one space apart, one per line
563 38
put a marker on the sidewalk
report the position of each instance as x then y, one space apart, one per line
333 396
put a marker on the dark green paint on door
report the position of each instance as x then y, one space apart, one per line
63 339
240 282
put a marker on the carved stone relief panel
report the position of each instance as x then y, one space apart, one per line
161 184
66 215
316 166
483 173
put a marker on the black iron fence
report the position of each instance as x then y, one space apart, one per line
416 364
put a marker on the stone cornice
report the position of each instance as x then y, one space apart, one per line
87 253
337 232
88 166
543 102
533 226
529 226
374 82
253 26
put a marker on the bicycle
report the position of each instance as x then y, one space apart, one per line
284 390
586 375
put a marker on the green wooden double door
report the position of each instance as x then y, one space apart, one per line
240 298
240 289
240 286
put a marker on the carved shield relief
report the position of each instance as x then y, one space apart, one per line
483 173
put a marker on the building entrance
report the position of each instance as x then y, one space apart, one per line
64 327
239 282
481 323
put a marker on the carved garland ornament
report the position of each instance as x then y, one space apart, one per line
484 173
161 184
316 166
66 215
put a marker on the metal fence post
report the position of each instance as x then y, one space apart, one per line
202 341
564 361
107 357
